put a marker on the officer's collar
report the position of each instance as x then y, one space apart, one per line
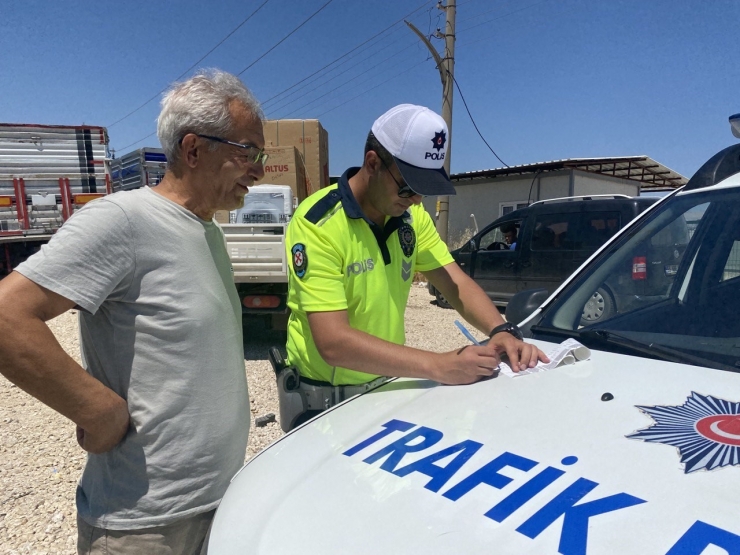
349 202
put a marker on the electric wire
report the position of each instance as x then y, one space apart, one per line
340 87
347 53
357 76
489 37
334 89
322 74
285 102
478 15
194 65
501 16
314 14
329 65
372 88
462 96
529 195
253 63
137 142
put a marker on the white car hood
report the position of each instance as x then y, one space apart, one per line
540 464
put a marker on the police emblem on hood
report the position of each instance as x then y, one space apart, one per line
407 238
705 429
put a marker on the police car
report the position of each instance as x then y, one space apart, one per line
635 450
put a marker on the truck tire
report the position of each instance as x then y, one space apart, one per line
598 308
441 301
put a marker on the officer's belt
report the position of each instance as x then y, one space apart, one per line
342 392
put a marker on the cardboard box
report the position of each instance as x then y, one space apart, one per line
284 166
311 140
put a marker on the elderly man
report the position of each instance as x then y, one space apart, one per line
161 405
355 248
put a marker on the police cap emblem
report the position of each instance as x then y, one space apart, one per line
439 140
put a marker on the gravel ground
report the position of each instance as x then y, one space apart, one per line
40 462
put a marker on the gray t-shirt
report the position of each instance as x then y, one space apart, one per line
160 324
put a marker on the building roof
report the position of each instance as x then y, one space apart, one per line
648 172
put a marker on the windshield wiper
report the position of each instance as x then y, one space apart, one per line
605 337
555 331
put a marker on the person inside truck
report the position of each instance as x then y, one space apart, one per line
161 406
355 248
509 232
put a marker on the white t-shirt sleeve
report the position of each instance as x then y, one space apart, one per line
90 259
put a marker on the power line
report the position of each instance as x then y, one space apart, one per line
286 102
351 79
192 66
323 68
137 142
250 65
478 15
359 64
345 54
473 121
373 88
491 36
286 36
502 16
373 54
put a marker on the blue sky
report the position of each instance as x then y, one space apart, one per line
544 80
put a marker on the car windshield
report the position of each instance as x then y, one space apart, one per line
669 288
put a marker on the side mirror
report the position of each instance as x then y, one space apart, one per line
472 246
525 303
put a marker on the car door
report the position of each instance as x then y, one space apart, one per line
547 255
494 263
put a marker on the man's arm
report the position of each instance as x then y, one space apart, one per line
341 345
31 358
473 304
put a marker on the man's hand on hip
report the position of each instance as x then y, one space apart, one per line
108 431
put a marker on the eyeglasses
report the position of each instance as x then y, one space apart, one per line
253 154
404 191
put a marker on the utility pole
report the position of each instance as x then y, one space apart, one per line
446 67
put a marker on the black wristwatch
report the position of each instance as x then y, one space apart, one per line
508 327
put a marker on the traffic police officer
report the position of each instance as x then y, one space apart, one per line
354 249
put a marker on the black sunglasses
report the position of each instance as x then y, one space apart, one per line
404 191
254 154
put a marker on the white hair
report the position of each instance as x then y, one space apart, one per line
201 105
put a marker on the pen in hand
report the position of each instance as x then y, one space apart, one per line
469 335
466 333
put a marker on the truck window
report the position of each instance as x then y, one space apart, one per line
596 229
554 232
675 234
500 238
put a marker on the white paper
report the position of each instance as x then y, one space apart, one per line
569 351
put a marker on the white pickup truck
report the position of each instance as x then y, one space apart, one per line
255 240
